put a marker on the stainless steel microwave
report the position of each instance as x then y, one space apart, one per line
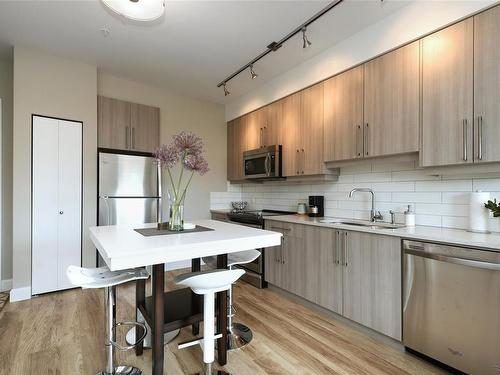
263 163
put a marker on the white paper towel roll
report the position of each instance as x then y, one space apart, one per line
478 214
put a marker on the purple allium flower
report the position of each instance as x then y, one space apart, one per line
196 163
167 155
187 141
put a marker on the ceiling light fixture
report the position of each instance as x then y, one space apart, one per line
252 73
137 10
226 92
274 46
306 41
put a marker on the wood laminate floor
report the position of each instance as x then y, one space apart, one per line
63 333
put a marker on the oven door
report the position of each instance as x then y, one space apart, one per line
261 163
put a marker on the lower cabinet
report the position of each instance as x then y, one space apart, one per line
355 274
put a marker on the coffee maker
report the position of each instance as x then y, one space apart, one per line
316 206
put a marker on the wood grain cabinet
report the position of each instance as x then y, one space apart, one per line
127 126
392 102
290 135
487 85
343 116
447 95
235 147
372 281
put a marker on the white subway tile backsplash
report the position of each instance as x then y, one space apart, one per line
437 200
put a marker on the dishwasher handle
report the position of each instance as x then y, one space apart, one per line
455 260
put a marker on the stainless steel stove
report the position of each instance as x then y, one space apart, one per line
255 219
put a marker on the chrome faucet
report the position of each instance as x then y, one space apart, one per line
373 216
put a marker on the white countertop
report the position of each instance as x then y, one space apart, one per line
121 247
422 233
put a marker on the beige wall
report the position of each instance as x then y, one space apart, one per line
6 94
50 86
178 112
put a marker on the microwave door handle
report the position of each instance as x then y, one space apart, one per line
267 164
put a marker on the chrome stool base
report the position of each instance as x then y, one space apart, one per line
123 370
238 335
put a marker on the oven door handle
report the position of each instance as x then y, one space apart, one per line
267 164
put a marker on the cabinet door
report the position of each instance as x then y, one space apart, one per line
235 147
324 268
113 123
253 130
392 102
447 95
290 131
343 116
487 85
273 124
372 281
273 258
144 127
295 278
311 130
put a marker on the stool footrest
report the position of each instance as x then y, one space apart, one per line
132 346
187 344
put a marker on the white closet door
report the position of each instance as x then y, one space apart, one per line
70 199
44 204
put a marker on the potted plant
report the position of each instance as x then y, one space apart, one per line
186 150
494 207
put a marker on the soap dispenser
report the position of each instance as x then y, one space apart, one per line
409 217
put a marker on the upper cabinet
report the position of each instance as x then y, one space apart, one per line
343 116
447 95
127 126
391 102
235 147
290 135
487 85
311 131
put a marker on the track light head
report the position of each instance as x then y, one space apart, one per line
252 73
226 92
306 43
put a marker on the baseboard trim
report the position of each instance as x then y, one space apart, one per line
5 285
20 294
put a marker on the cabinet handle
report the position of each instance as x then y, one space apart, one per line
126 138
303 160
358 133
260 138
366 139
297 157
336 256
480 137
133 137
264 136
345 249
464 136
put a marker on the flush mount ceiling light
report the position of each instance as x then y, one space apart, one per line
274 46
137 10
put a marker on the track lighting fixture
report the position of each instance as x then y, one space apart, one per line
252 73
275 46
226 92
306 41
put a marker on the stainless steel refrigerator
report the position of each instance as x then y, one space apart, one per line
128 189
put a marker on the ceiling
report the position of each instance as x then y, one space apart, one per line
195 46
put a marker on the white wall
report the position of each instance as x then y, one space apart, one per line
409 23
6 93
177 113
50 86
440 201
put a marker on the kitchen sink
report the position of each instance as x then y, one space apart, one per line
361 223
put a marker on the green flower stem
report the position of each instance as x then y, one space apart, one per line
187 185
172 182
184 154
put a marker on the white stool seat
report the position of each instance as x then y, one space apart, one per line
102 277
205 282
240 257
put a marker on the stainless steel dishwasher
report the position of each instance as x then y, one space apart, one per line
451 305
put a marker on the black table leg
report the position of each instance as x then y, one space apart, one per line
222 316
158 282
140 297
195 267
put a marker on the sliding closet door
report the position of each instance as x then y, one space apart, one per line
56 202
69 196
45 215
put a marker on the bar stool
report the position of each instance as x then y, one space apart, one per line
208 283
238 334
93 278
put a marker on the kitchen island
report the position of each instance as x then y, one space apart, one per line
122 247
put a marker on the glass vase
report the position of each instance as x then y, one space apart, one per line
176 210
